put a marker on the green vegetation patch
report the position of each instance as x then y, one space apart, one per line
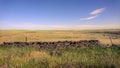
71 57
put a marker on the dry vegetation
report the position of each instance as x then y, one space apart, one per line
84 57
55 35
69 57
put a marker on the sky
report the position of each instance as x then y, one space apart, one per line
59 14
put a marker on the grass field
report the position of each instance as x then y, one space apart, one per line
55 35
27 57
70 57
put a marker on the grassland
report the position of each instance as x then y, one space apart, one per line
70 57
55 35
85 57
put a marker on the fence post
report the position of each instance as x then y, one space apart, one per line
111 40
26 39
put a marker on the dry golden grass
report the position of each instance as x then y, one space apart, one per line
31 55
55 35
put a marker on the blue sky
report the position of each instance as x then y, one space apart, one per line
59 14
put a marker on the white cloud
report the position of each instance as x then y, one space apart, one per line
88 18
97 11
94 14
